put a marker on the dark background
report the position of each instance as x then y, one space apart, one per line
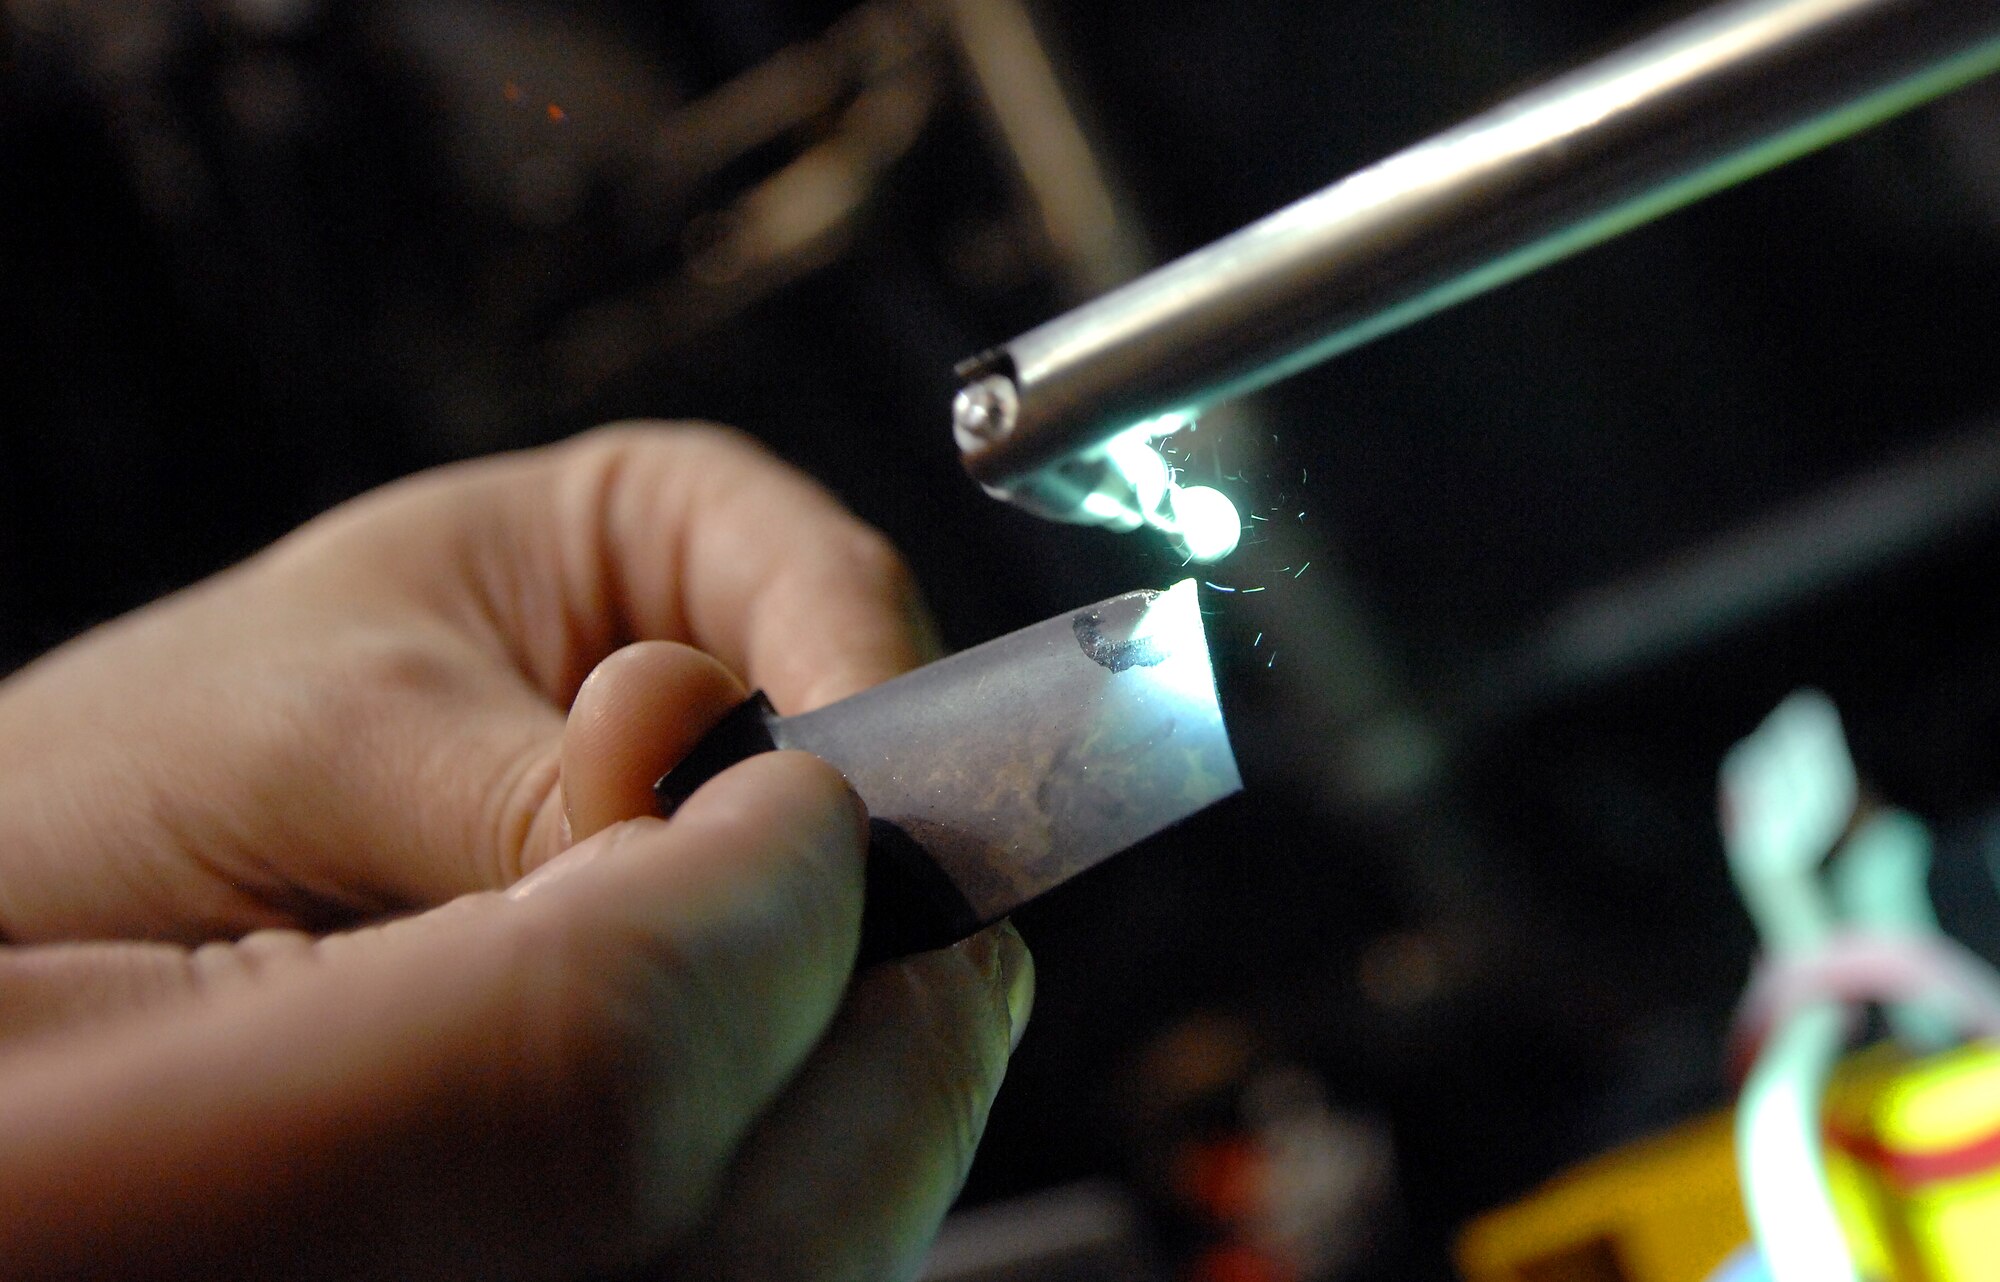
1568 542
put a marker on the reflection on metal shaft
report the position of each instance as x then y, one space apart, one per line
1698 107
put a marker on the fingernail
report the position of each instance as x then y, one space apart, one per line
1017 972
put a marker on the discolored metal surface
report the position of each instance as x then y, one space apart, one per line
1021 762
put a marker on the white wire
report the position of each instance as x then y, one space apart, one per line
1779 1151
1787 793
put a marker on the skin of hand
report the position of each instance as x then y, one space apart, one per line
333 947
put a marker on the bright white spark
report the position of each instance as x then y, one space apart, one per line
1206 523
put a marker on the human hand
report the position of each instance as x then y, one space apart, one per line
643 1048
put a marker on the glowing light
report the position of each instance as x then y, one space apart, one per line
1207 526
1142 468
557 113
1201 521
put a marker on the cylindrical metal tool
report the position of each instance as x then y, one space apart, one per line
1704 104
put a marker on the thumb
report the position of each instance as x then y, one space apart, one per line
545 1082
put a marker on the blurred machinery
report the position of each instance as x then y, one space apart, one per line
1881 1166
1515 580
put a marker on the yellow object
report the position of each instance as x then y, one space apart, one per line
1913 1158
1920 1142
1665 1209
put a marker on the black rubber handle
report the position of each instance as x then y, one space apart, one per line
908 905
745 732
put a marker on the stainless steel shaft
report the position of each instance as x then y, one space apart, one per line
1699 106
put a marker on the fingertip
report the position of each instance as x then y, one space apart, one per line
710 537
887 628
635 716
786 787
723 937
790 836
775 841
882 575
575 858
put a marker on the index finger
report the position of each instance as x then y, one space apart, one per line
704 537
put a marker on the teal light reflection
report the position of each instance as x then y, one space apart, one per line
1201 521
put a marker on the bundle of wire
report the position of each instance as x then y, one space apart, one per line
1837 939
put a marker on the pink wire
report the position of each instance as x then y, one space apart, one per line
1863 967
